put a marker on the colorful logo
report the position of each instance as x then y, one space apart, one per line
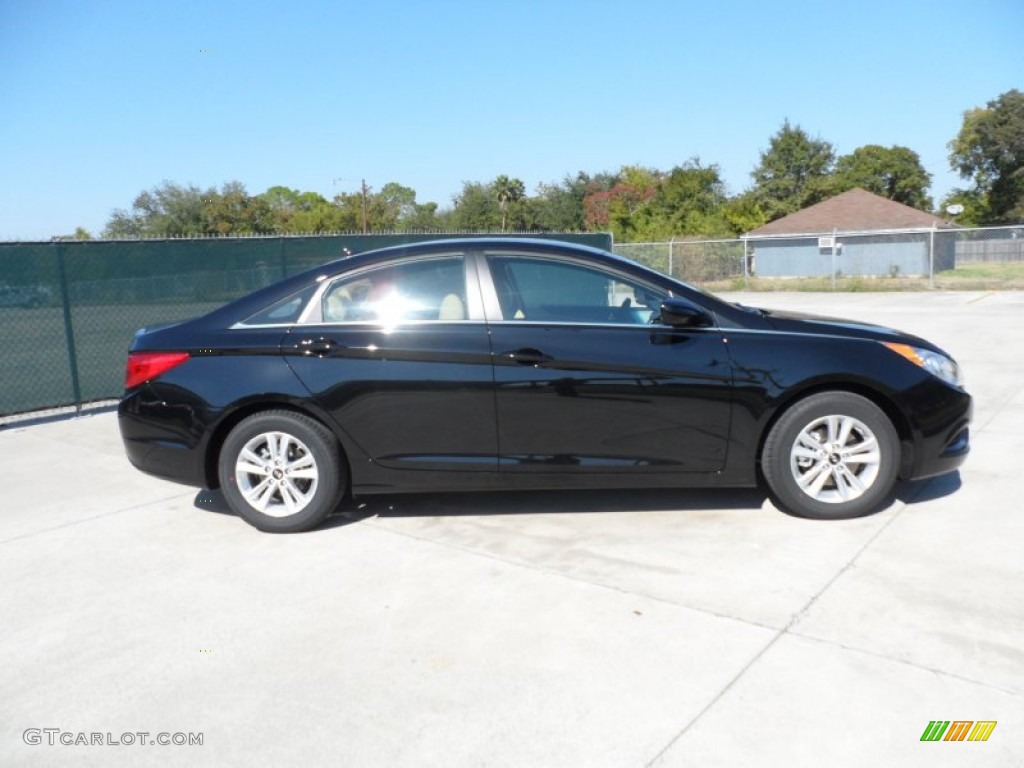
958 730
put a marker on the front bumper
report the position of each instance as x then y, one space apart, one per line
941 443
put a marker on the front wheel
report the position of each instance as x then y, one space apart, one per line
832 455
281 472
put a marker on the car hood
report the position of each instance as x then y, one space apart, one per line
802 322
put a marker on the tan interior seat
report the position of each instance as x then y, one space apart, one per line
452 308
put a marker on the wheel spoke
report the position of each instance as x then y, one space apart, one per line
259 495
808 440
819 482
303 467
250 468
246 454
842 487
805 453
855 482
844 430
814 479
833 430
863 453
289 496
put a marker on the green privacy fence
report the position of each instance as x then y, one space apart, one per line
68 310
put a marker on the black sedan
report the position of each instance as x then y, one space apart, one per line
511 363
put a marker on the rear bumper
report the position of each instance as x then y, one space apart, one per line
160 439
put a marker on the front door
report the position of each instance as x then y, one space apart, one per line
584 380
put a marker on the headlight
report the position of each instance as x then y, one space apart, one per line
936 364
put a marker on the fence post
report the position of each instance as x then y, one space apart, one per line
69 331
931 257
745 269
834 234
671 242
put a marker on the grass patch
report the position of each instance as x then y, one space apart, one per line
982 276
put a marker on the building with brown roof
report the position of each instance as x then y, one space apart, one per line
854 233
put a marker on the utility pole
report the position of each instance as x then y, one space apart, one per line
364 191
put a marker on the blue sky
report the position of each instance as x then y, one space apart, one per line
101 100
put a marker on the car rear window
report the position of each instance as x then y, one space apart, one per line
284 311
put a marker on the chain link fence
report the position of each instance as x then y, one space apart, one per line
949 258
68 310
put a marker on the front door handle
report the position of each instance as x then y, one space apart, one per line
318 347
527 356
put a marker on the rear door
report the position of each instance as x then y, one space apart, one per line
584 380
398 354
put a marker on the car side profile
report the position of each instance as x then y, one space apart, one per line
497 363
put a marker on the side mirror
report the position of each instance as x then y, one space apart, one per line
680 313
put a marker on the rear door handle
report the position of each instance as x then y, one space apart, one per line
318 347
527 356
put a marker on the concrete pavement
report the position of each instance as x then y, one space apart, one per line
530 629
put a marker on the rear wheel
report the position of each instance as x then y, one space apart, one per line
832 455
281 471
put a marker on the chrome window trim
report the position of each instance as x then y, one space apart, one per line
635 326
360 323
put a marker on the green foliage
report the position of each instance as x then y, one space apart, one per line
507 192
423 217
975 204
989 150
498 205
744 213
559 207
895 173
296 212
81 233
690 200
794 172
624 207
475 208
170 210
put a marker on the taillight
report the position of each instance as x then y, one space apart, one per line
143 366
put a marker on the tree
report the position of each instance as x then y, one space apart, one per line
423 217
293 211
623 208
233 212
989 149
744 213
170 210
975 207
81 233
690 200
391 205
794 172
475 208
507 191
895 173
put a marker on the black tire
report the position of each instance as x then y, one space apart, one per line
843 480
301 445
